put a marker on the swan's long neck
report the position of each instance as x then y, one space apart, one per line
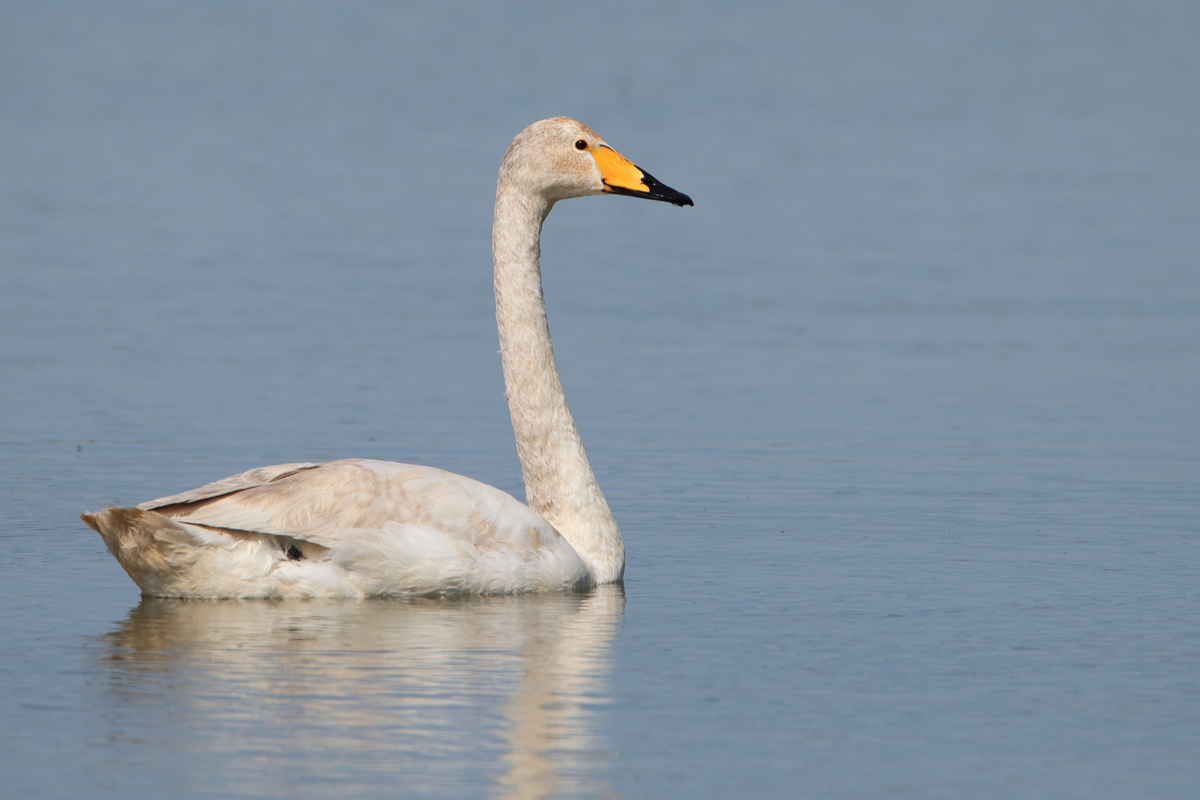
559 483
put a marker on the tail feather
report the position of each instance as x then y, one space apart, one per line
146 544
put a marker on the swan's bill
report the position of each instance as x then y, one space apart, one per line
622 176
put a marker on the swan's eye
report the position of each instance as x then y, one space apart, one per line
581 145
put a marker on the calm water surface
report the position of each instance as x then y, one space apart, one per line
900 421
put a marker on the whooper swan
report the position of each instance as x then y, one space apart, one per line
356 528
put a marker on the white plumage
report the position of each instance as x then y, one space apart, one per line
356 528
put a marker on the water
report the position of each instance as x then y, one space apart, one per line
899 421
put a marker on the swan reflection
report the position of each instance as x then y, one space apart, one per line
387 697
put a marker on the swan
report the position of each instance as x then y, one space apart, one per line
359 527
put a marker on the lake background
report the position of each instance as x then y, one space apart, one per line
900 421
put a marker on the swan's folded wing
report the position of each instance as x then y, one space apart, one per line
326 503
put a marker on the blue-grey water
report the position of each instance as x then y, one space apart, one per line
900 422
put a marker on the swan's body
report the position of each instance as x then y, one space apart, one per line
357 528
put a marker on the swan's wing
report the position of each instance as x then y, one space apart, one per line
395 526
322 502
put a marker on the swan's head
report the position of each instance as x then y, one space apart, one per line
561 157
